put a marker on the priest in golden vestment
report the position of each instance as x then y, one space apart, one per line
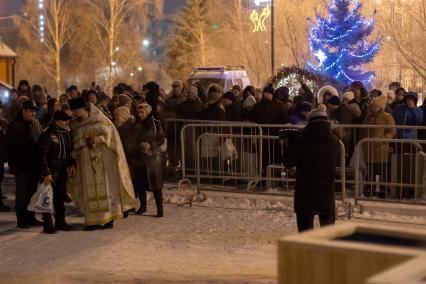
101 186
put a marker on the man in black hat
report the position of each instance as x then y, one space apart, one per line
315 154
21 150
54 146
269 110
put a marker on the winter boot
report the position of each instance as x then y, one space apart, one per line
92 228
158 196
61 225
142 198
48 227
4 208
108 225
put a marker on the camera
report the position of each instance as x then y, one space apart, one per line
289 135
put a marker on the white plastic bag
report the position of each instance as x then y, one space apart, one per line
42 200
358 151
228 150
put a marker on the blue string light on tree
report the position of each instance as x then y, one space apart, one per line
339 43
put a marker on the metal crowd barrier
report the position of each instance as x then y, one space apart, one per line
216 171
260 151
189 134
393 175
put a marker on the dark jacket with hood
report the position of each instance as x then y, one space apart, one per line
54 149
21 145
149 165
315 155
406 116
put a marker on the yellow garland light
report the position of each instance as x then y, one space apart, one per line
259 20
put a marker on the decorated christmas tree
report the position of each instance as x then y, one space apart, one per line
340 43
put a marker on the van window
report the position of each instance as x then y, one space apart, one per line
207 82
238 82
229 85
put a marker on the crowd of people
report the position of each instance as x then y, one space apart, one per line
74 142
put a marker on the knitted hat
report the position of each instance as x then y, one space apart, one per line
77 103
380 101
61 115
318 113
230 96
354 109
29 105
124 100
334 100
146 107
269 90
283 91
249 102
152 86
177 83
304 106
349 96
193 90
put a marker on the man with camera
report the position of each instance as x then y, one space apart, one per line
314 154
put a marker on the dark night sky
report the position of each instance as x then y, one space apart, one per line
8 7
11 7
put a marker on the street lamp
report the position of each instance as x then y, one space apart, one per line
146 43
272 37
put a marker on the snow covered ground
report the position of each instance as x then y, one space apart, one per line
224 239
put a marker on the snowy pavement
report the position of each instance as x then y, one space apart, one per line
224 239
191 244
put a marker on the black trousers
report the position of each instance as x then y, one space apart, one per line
26 186
59 194
305 220
141 185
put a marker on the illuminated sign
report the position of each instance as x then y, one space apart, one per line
259 19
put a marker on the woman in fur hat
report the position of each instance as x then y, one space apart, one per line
145 147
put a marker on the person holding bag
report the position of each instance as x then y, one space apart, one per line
145 148
54 147
21 154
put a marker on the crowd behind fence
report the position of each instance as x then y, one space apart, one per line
248 156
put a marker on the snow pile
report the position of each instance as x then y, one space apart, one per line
385 216
228 202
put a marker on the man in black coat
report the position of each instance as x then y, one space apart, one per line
21 149
314 154
54 147
191 108
269 110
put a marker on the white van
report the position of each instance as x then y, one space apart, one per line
225 76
